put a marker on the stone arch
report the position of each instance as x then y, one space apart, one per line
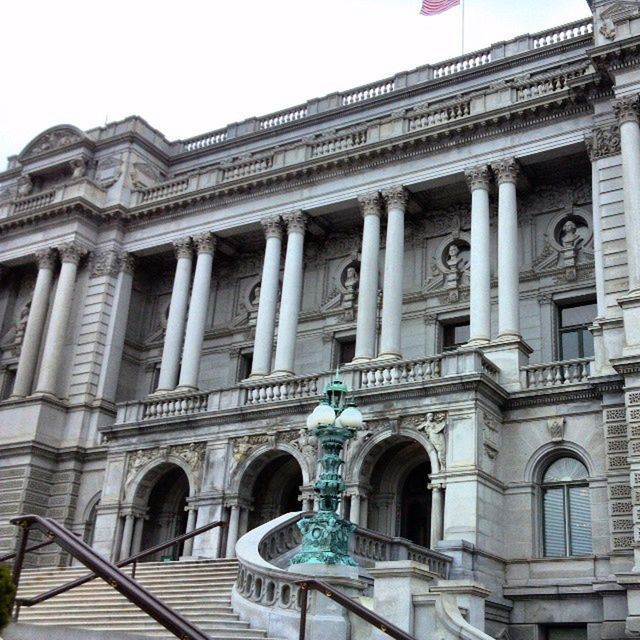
138 488
544 455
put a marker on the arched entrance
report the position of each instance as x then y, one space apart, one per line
165 511
399 504
271 486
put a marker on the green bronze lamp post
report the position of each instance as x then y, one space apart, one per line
325 536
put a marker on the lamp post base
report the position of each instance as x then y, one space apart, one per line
325 540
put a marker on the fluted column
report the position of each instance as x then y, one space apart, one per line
291 294
268 301
70 255
198 307
396 200
174 335
506 172
627 110
232 535
368 287
46 260
480 289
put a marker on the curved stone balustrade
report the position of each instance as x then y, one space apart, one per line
398 372
284 389
172 406
554 374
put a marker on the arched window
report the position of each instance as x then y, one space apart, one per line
566 509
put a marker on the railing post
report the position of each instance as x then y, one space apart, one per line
303 611
17 568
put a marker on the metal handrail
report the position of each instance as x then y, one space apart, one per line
35 547
30 602
348 603
110 573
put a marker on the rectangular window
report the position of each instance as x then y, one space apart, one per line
455 334
245 365
8 382
555 541
567 632
155 378
345 351
576 340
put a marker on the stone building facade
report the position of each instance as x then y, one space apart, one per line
463 239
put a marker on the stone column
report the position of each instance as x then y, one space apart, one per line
127 536
437 515
53 352
506 172
192 353
396 200
480 289
170 363
244 520
627 110
268 301
354 512
110 370
187 549
232 535
364 511
137 534
291 294
368 288
46 260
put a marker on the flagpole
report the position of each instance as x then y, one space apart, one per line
462 24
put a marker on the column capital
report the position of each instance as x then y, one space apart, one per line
604 141
205 242
627 109
478 177
127 262
272 226
183 248
71 252
395 196
506 170
370 204
296 221
46 258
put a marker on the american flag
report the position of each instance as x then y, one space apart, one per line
432 7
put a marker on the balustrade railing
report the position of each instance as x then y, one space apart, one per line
399 372
338 143
268 391
36 201
367 92
463 63
438 115
555 374
546 84
283 117
247 168
174 405
164 190
204 141
561 34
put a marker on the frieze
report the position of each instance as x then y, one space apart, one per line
51 141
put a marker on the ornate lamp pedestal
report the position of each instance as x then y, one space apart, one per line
325 536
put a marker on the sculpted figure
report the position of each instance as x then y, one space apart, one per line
569 235
434 430
308 445
352 278
241 448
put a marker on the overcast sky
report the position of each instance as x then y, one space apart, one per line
190 66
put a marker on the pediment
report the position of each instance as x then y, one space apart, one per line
622 10
52 139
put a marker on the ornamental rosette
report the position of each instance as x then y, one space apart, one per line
272 226
506 170
296 222
205 242
46 258
183 248
627 109
395 197
370 204
478 177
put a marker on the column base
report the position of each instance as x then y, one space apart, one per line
474 343
360 360
281 373
186 388
389 355
257 375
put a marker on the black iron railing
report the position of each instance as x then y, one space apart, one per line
348 603
101 568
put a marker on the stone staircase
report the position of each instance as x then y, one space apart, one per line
199 590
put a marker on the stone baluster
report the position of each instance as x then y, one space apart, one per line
396 200
174 335
268 300
291 294
627 110
368 288
30 348
192 353
234 527
480 267
506 172
70 255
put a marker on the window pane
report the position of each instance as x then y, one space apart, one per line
565 470
462 333
580 521
569 345
554 525
347 351
579 314
587 344
567 633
